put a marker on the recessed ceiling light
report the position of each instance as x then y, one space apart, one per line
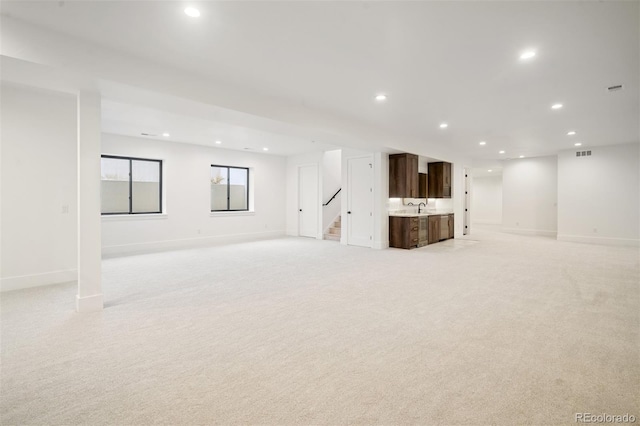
578 144
443 125
483 143
556 106
192 12
500 152
528 54
522 156
166 135
218 142
571 133
489 170
381 97
265 149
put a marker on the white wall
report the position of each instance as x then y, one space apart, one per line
529 195
486 200
188 220
39 214
598 196
331 181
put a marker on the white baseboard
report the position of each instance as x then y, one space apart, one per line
37 280
623 242
539 232
89 303
155 246
381 245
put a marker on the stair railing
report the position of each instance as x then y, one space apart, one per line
331 199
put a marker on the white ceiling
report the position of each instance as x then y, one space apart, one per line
437 61
133 120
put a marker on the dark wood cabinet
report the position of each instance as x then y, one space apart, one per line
423 185
439 179
403 176
440 227
404 232
434 229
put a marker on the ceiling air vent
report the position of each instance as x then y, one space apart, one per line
583 153
614 88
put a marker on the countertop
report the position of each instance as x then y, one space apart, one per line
428 213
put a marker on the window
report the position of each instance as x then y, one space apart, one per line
131 185
229 188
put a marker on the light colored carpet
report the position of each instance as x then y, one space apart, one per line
495 329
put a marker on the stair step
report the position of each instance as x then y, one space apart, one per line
332 237
334 231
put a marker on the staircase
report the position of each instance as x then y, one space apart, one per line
334 230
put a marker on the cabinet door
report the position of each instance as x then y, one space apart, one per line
435 180
434 229
446 180
412 176
451 227
422 186
396 234
446 174
397 175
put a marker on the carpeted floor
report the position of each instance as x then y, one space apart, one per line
494 329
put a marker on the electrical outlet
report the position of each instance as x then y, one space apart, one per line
65 209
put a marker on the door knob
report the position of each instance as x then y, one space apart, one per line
300 209
349 212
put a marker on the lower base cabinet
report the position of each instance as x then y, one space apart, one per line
413 232
440 228
404 232
434 229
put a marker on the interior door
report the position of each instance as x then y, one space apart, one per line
308 201
360 202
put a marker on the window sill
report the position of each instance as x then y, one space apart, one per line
119 217
241 213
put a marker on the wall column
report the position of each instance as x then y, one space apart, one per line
89 296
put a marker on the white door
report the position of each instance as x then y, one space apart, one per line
467 202
360 202
308 201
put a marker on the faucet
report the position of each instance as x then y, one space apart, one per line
421 204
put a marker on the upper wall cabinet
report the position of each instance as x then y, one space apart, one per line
423 185
403 176
439 180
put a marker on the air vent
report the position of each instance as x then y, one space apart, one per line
614 88
583 153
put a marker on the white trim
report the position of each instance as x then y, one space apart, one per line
232 213
89 303
381 245
144 216
154 246
623 242
530 232
37 280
